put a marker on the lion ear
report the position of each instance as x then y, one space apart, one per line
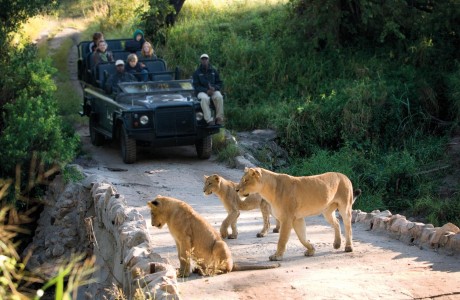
153 203
205 177
216 178
258 172
246 169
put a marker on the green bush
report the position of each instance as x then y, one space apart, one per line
31 124
388 178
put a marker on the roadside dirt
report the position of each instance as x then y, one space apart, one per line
379 267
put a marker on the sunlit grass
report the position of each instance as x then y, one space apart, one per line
35 28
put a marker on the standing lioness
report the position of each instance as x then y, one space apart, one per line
195 239
293 198
225 190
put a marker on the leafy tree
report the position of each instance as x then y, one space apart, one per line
15 13
160 15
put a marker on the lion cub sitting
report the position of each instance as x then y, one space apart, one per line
195 239
225 190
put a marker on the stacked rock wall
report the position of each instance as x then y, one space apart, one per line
445 239
91 217
121 243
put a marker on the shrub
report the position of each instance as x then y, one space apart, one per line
30 119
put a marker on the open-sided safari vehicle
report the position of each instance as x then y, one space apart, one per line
161 112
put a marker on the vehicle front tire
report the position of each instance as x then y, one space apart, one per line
127 147
204 147
97 139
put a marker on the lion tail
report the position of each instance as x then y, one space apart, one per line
356 194
254 266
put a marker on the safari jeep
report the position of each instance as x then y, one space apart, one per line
162 112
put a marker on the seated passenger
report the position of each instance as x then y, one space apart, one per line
97 36
136 43
136 68
147 51
111 86
207 85
102 55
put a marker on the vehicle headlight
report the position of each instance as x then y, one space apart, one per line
144 120
199 116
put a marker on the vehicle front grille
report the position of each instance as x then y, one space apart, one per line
174 121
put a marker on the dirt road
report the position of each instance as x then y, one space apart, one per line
379 268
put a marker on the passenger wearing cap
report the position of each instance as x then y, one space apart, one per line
207 85
111 86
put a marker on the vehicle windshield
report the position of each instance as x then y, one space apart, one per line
154 87
156 91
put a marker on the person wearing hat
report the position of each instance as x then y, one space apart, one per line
136 43
207 85
111 86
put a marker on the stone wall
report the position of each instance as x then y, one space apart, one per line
121 243
91 217
445 239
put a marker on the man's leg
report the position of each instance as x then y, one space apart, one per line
204 98
218 100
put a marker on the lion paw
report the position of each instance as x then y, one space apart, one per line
337 245
276 230
182 273
232 236
261 234
309 252
348 248
275 257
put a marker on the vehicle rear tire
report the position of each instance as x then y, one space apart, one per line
97 138
204 147
127 147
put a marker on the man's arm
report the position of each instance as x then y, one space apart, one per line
197 83
218 84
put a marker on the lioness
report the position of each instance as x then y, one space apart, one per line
225 190
293 198
195 238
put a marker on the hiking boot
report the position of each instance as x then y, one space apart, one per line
219 121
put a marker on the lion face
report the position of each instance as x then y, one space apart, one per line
249 183
210 184
156 212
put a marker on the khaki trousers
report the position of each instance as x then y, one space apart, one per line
218 101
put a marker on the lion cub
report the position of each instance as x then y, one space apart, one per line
225 190
195 239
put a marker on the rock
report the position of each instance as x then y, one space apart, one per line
260 149
447 229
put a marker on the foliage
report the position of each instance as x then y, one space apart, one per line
437 211
72 174
31 125
390 179
154 19
19 283
13 14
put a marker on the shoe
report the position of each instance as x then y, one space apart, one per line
211 123
219 121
